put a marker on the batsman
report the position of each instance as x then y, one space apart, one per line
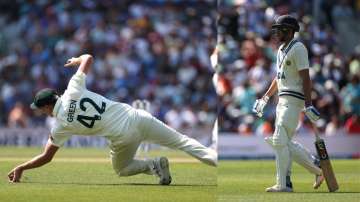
293 85
82 112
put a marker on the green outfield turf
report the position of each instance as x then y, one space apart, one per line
247 180
87 175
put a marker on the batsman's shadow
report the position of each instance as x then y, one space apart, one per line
172 185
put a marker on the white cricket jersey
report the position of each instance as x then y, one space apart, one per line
81 112
290 60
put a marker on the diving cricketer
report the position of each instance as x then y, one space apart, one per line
82 112
293 85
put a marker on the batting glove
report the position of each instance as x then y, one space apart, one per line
259 106
312 113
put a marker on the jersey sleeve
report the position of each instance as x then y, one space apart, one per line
76 85
301 57
58 137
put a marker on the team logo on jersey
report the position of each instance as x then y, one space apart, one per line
71 110
288 62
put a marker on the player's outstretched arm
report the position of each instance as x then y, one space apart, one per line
15 174
84 62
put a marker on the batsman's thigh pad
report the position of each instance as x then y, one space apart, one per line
287 114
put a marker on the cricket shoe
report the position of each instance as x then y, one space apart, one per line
319 179
161 167
277 188
288 182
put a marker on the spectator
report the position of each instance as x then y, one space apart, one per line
351 95
333 127
352 125
18 116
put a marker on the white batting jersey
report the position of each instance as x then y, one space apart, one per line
81 112
290 60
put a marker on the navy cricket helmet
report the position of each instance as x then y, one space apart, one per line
286 21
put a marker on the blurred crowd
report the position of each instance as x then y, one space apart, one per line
155 50
330 31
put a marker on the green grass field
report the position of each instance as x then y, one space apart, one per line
87 175
247 180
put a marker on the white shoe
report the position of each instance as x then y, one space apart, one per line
161 167
277 188
319 179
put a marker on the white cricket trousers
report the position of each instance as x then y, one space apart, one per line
287 117
144 127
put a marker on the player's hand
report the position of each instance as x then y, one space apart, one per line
15 174
73 62
259 106
312 113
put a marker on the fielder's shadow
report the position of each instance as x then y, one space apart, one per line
117 184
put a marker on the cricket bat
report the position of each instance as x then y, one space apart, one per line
325 163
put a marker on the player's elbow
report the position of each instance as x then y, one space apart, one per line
46 158
88 57
86 63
